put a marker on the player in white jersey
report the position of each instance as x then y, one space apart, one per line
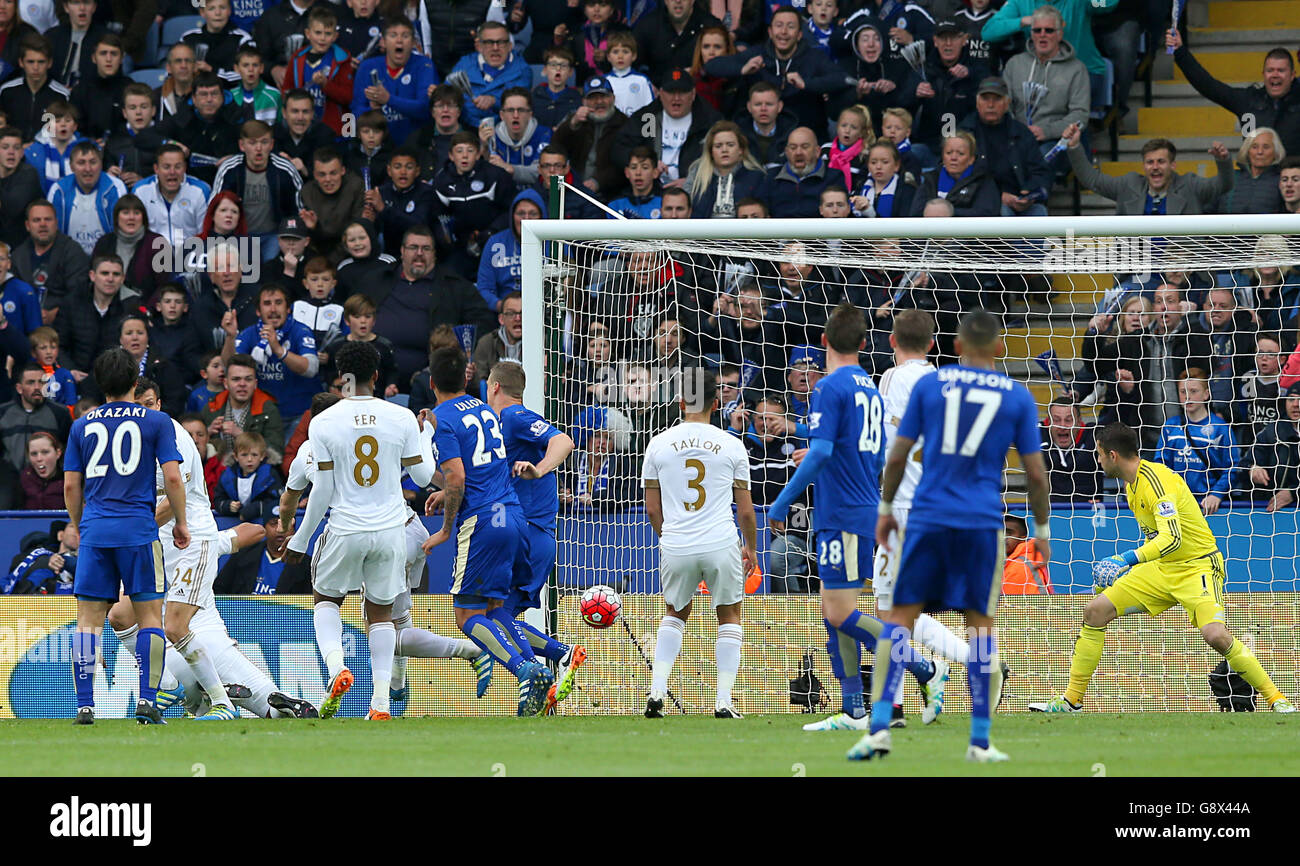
361 445
411 642
691 474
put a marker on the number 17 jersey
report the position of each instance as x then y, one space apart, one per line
846 409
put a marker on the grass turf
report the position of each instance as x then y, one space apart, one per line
1166 744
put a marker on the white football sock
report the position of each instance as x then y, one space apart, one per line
898 694
423 644
383 637
939 638
127 636
727 648
328 624
667 645
191 649
398 680
179 673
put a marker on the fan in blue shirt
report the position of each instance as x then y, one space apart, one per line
965 416
285 352
109 465
479 502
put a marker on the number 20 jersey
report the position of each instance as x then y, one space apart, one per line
470 430
968 418
846 409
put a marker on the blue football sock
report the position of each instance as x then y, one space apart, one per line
919 666
490 638
863 628
150 655
514 630
85 646
890 652
979 674
542 643
846 664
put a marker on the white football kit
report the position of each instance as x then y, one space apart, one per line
192 572
896 389
696 467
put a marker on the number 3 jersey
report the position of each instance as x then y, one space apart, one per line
116 448
696 467
367 442
846 409
470 430
968 418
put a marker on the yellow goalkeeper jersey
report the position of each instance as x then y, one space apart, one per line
1168 515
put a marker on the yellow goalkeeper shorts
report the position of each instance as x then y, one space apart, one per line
1155 587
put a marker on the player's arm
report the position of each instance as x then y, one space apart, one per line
654 507
453 494
819 451
1040 504
174 486
162 511
288 507
321 495
558 450
891 477
744 500
73 487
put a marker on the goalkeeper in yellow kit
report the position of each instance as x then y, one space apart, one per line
1179 563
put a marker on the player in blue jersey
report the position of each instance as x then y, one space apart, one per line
480 504
534 450
846 428
108 485
967 415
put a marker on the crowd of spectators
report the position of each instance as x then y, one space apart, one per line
361 171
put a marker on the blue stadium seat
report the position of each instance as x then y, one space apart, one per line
152 77
151 40
172 30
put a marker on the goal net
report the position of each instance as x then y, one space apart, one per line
1182 327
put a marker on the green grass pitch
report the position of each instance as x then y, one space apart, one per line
1150 744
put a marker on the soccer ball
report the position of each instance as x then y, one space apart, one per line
600 606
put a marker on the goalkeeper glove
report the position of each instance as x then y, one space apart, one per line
1108 570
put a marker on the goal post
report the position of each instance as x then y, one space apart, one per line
574 272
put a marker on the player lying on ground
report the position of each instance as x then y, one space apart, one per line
1179 563
109 466
534 450
846 438
411 642
479 503
967 415
691 474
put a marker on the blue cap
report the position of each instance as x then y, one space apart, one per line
598 84
808 354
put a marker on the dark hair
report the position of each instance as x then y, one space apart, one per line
63 108
248 49
764 87
191 418
11 132
272 289
1266 335
139 88
359 359
846 329
31 367
85 147
978 329
410 151
110 258
704 392
465 137
642 151
510 376
913 330
517 91
299 93
556 150
131 202
1282 54
35 42
373 119
115 372
1017 520
445 93
676 190
323 401
784 10
133 317
749 200
1118 437
1062 400
446 368
111 39
1160 144
321 14
208 79
397 21
419 230
774 397
559 52
178 289
241 359
32 205
326 154
1289 162
169 147
143 384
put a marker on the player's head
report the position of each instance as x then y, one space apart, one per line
846 330
1117 444
699 391
979 338
323 401
146 393
1016 531
447 370
505 385
360 361
913 332
115 374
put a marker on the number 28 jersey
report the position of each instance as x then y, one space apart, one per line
367 442
846 409
470 430
116 447
968 418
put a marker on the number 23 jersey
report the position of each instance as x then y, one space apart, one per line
470 430
846 409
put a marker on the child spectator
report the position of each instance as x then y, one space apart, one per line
359 315
1274 460
212 371
99 96
498 269
58 385
319 311
590 44
896 126
465 214
50 154
1260 392
366 265
217 42
361 26
175 336
400 202
49 567
714 41
129 153
883 192
323 69
434 139
632 90
367 155
554 99
397 83
645 199
515 144
822 31
248 488
847 151
972 20
1198 444
259 100
212 466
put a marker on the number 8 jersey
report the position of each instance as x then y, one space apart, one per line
470 430
846 409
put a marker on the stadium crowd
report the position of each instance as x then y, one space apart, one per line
371 164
